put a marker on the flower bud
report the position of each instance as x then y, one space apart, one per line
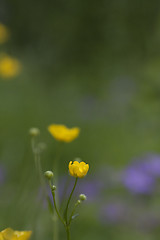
53 188
49 175
78 159
82 197
34 132
78 201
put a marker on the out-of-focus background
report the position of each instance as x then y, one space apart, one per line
95 65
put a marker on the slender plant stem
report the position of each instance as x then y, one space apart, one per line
39 167
55 171
64 192
68 232
40 173
38 164
70 219
55 205
69 199
34 150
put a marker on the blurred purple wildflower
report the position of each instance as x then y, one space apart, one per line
151 164
141 175
137 180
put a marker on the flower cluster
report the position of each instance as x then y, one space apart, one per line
77 169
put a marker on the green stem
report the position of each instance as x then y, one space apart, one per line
41 178
38 164
70 219
64 192
34 150
68 233
55 205
69 199
39 168
55 170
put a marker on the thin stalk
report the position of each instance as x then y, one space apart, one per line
70 219
68 233
56 170
39 168
34 150
39 171
55 205
38 163
64 193
69 199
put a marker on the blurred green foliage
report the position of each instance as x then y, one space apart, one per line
89 64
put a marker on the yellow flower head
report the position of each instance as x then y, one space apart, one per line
9 234
9 67
1 236
4 33
62 133
77 169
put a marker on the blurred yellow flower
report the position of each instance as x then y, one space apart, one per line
4 33
1 236
62 133
9 67
77 169
9 234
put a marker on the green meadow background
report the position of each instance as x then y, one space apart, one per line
91 64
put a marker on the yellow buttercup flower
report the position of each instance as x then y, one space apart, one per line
9 234
1 236
77 169
62 133
9 67
4 33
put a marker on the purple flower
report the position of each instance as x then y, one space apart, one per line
140 177
137 180
151 164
